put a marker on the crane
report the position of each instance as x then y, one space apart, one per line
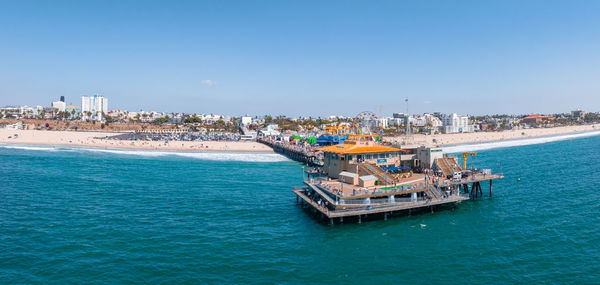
465 154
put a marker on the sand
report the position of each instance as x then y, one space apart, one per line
93 139
481 137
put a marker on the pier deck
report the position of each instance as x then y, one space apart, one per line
375 209
335 199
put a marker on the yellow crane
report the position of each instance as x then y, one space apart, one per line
465 154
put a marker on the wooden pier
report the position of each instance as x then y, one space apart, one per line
308 156
326 199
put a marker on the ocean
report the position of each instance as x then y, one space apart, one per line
95 216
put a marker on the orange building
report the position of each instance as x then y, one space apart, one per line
536 119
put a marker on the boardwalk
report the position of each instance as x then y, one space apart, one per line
305 154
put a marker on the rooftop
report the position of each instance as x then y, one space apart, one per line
537 116
358 148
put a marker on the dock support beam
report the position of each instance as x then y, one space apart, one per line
385 216
359 221
341 220
331 221
491 188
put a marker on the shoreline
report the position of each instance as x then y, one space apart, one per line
456 139
521 139
92 139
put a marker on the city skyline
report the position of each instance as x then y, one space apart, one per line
305 58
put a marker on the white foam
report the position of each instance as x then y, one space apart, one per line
217 156
512 143
220 156
50 148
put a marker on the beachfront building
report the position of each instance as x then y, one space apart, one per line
93 108
73 110
578 114
49 112
536 119
271 130
456 124
60 105
246 120
347 156
10 112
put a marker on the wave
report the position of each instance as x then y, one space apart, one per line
30 147
216 156
512 143
219 156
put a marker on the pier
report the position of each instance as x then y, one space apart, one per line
334 201
362 177
305 154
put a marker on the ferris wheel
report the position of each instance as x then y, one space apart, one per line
365 121
366 116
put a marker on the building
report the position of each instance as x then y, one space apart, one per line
246 120
60 105
49 112
535 119
432 121
578 114
271 130
382 123
347 156
425 156
28 112
75 111
93 108
456 124
401 119
10 112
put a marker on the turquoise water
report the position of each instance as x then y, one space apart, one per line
77 216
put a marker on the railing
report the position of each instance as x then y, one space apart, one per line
395 190
410 203
368 201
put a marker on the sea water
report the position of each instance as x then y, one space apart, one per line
72 215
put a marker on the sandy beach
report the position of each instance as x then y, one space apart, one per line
481 137
94 139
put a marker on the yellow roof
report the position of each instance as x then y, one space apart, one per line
358 149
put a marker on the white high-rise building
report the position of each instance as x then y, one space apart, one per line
93 108
457 124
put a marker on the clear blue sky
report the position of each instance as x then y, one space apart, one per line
302 57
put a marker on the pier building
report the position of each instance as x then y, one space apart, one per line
361 177
348 156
